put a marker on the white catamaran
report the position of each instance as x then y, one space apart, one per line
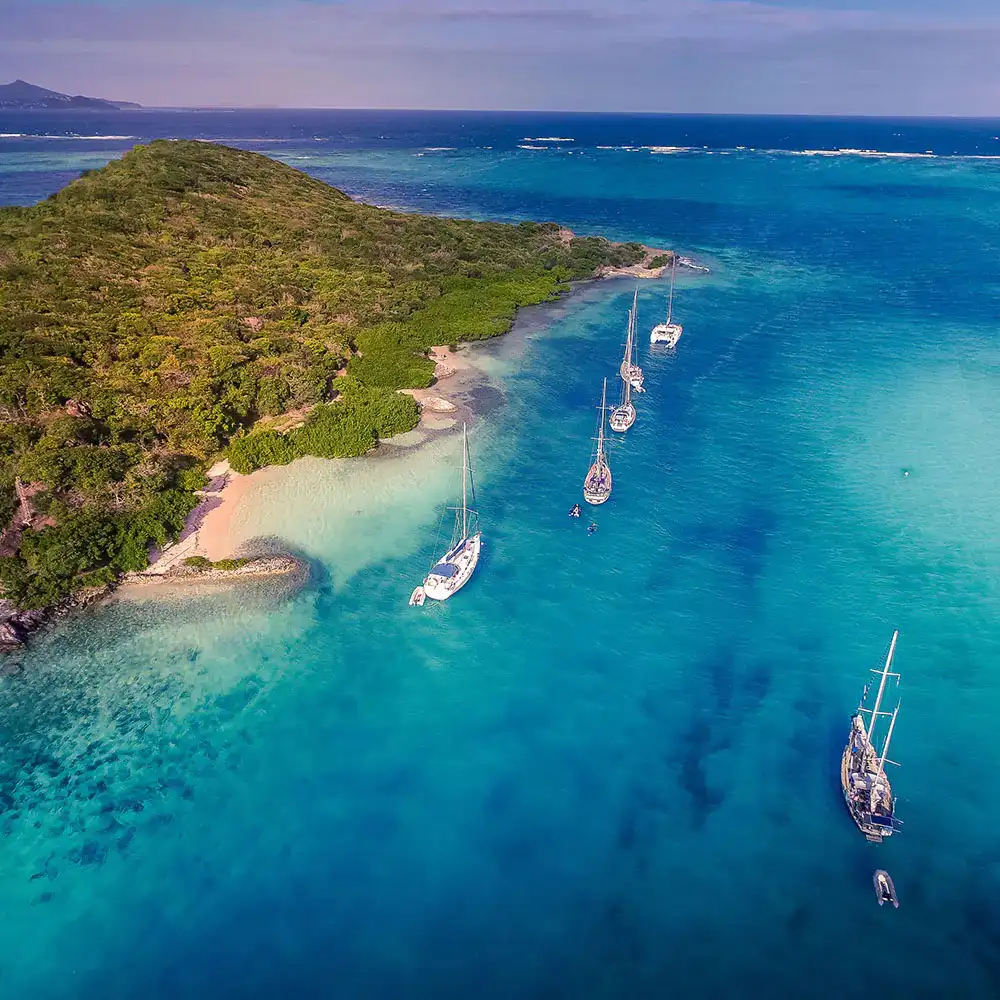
454 569
623 415
597 485
668 333
629 370
867 791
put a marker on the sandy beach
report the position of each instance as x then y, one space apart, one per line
217 528
221 527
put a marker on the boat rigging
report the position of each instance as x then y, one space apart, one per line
455 568
629 370
623 415
597 485
670 332
866 786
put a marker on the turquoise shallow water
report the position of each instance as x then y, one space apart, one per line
609 767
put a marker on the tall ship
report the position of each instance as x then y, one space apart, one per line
670 332
597 485
867 791
629 370
454 569
623 415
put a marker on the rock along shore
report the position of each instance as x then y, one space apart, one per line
17 626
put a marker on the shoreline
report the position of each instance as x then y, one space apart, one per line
444 405
210 531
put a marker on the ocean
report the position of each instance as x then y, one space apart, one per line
609 767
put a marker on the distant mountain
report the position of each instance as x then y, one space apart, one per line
22 95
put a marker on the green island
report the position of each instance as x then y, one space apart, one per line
156 312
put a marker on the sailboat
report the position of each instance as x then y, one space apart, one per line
668 333
454 569
597 485
867 791
629 370
623 415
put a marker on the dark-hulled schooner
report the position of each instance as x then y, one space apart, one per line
867 791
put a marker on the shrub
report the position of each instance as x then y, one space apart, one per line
334 431
229 564
261 448
661 260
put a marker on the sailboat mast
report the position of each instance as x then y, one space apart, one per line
670 301
628 340
633 324
881 686
888 738
626 368
885 675
600 431
465 477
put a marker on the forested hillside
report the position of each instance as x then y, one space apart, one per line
154 310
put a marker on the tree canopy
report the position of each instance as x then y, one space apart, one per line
154 310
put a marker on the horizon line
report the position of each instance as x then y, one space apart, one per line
521 111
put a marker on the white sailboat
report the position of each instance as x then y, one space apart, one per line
867 791
597 485
623 415
670 332
454 569
629 370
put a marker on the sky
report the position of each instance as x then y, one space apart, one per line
873 57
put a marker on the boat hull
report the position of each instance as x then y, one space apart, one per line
622 418
597 485
632 374
454 569
666 333
867 793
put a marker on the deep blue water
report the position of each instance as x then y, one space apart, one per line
608 768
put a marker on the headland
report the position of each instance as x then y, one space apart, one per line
209 305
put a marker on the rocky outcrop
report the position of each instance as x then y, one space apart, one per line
17 626
262 566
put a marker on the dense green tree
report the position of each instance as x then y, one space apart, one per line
258 449
154 310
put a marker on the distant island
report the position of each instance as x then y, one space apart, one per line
166 310
23 96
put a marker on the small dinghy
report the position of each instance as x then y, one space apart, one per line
417 598
885 891
575 510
